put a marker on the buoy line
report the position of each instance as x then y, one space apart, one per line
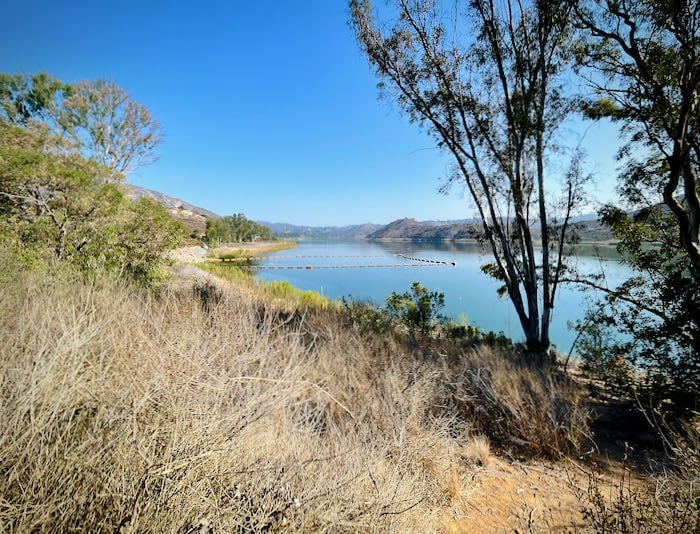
432 262
243 259
297 257
313 267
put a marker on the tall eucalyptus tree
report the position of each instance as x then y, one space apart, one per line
485 79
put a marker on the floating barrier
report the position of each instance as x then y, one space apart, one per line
359 266
261 258
245 259
415 262
452 263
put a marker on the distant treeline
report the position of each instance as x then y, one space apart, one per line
235 229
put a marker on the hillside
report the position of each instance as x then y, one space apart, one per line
589 230
193 217
292 231
420 231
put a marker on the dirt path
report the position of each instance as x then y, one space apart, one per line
519 497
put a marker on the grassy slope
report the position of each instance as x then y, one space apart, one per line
218 409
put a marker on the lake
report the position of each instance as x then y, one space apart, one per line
340 269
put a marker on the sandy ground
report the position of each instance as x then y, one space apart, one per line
188 254
195 254
519 497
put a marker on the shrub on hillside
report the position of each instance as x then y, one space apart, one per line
417 309
53 208
366 316
60 202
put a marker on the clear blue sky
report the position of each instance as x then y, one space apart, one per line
268 106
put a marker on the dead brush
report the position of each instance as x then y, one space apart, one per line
527 411
127 410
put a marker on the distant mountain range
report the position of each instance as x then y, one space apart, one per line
195 219
587 226
292 231
408 229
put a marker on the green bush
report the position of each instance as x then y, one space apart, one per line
303 299
366 316
56 208
417 309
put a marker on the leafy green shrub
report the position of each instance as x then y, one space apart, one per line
366 317
417 309
58 205
496 339
461 329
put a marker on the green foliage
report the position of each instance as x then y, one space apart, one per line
280 289
645 59
234 229
303 299
644 337
56 208
25 97
227 272
96 119
366 316
133 242
461 329
417 309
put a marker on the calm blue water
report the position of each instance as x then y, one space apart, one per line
468 292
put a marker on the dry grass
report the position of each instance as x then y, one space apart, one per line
125 410
477 450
